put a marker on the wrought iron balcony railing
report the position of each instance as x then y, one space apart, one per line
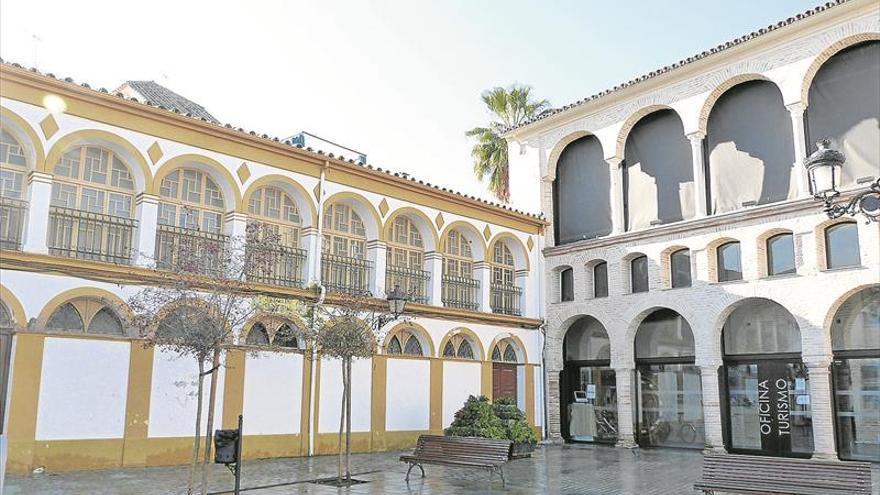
505 299
90 236
12 215
461 292
345 274
414 283
188 250
278 265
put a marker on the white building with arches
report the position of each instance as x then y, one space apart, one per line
688 267
101 192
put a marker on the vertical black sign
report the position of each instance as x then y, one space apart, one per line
774 407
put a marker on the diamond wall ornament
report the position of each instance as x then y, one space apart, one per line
49 126
243 172
531 243
383 207
317 191
487 233
155 152
439 220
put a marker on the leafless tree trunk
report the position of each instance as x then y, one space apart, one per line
212 399
341 423
195 449
348 421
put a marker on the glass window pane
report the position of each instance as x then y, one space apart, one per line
856 324
106 323
567 284
670 410
780 254
593 418
842 245
258 335
760 326
729 262
587 340
639 274
65 319
465 351
449 350
600 280
857 400
11 184
680 264
664 333
413 347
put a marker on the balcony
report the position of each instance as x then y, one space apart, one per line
414 283
505 299
187 250
12 215
90 236
345 274
460 292
276 265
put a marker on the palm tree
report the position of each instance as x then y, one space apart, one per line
509 107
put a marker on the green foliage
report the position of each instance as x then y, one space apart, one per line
476 419
513 420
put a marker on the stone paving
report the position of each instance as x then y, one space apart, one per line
553 469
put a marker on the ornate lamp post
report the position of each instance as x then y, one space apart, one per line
397 300
823 170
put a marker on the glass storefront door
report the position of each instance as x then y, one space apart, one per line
592 404
768 405
857 397
670 412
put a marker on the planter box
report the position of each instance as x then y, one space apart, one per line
521 450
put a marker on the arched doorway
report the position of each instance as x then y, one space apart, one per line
508 374
768 395
669 389
855 340
589 405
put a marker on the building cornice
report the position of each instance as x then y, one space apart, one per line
132 275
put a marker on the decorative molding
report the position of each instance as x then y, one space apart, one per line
487 233
383 207
49 126
155 152
243 172
439 220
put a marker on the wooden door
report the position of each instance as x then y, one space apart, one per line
503 380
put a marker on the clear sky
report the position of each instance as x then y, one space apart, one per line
398 80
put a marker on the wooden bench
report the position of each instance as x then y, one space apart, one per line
751 474
465 452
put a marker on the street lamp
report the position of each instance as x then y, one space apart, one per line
397 301
823 170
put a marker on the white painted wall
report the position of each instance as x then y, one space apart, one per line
83 390
408 395
173 396
272 393
331 395
459 381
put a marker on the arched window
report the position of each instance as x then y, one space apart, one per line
664 334
406 260
583 183
257 335
780 254
729 262
638 272
183 323
191 210
505 295
680 268
287 335
589 403
600 279
587 340
6 328
5 318
566 284
91 206
85 315
659 179
761 326
344 267
13 169
844 105
751 148
273 235
459 286
855 340
405 342
842 245
505 351
459 346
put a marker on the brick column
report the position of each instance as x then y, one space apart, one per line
712 407
147 214
796 110
554 420
821 409
623 378
699 169
37 223
618 225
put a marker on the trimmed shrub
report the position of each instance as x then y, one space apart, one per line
476 419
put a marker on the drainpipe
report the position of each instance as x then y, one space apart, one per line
313 400
544 429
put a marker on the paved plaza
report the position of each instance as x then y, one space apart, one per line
552 469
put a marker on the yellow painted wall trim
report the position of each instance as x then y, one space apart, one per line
30 135
530 393
27 371
97 137
14 306
378 398
486 379
233 387
436 398
305 420
137 403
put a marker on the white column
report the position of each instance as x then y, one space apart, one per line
526 303
696 139
483 273
376 253
623 380
434 266
796 110
147 214
711 407
821 409
37 223
236 226
311 242
618 225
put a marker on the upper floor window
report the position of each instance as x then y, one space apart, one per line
842 245
780 254
638 269
600 279
459 286
405 260
191 200
503 269
680 268
94 180
13 167
566 284
275 212
729 262
582 183
344 232
504 293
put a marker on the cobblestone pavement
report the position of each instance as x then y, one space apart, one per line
553 469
